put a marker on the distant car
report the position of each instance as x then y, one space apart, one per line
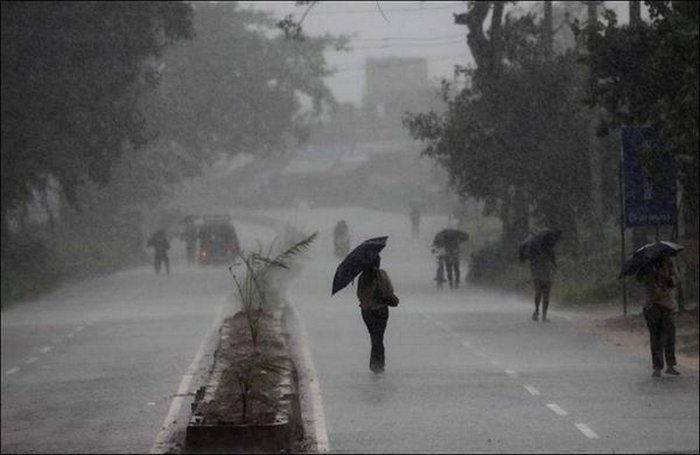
218 241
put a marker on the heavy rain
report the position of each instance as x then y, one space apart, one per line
361 227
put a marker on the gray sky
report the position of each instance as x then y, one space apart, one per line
401 29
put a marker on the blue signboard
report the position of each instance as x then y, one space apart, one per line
650 188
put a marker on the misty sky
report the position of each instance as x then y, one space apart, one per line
400 29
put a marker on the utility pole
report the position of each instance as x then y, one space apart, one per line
548 30
595 158
635 12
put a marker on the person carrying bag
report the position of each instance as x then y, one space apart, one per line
376 294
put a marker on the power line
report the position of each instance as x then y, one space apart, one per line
392 10
363 67
461 41
403 38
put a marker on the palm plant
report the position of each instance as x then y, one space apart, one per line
255 288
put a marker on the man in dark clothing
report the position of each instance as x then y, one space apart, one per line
160 244
660 278
542 261
341 239
539 250
415 220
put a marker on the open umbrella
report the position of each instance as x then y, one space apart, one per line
648 253
359 259
450 238
542 239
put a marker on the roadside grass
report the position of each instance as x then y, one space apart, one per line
32 269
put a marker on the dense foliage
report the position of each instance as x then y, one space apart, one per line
516 136
71 76
646 73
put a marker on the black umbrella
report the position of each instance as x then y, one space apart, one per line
648 253
360 258
450 238
541 240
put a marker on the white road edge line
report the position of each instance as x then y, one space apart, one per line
167 428
555 407
45 349
316 398
11 371
531 389
587 431
31 360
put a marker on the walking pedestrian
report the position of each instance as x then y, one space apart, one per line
660 277
160 244
415 220
375 313
539 249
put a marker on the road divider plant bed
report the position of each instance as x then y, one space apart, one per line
250 401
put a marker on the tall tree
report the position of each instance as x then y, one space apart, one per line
513 136
237 87
646 73
71 76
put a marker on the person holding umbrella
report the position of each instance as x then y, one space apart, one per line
446 245
375 313
539 250
653 267
374 287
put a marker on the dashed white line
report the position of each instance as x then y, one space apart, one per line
512 373
11 371
531 389
466 344
494 363
480 354
45 349
31 360
557 410
587 431
79 329
70 335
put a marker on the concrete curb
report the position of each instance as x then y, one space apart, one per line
279 436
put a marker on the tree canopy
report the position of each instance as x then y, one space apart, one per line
72 73
646 73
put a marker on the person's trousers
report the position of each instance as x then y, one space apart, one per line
162 258
662 335
452 266
375 320
542 290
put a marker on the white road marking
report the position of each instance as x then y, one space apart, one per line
587 431
466 344
168 427
79 329
512 373
31 360
531 389
70 335
480 354
555 407
315 396
494 363
45 349
11 371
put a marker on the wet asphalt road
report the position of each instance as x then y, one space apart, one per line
96 366
468 371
